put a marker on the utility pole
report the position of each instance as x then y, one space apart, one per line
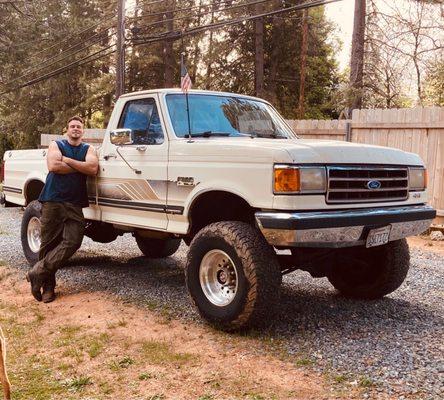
304 49
120 57
357 55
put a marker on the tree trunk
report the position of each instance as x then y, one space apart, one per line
274 59
357 55
304 48
259 53
168 56
193 72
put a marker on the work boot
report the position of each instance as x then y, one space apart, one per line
36 281
49 285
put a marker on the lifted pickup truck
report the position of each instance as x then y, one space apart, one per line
227 175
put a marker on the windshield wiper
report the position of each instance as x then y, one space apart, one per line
207 134
272 135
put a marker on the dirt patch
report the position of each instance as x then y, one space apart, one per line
424 243
90 345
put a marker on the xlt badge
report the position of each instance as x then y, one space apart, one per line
185 181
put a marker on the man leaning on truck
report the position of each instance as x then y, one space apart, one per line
63 197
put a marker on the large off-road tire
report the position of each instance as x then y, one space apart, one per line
31 231
233 276
157 248
371 273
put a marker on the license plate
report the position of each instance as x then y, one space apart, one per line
378 236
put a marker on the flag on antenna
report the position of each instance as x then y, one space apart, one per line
185 80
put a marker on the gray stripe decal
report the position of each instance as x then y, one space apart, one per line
11 189
140 206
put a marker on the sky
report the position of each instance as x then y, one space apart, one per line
342 14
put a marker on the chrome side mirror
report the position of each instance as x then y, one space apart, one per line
121 137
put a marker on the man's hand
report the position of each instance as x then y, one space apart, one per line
87 167
55 162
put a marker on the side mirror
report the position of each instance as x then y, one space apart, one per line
121 137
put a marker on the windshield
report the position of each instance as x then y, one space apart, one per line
212 115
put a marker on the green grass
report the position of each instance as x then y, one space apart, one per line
144 376
34 380
161 353
78 383
76 344
339 378
304 362
95 344
123 363
157 397
365 382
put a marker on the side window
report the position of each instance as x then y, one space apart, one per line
142 117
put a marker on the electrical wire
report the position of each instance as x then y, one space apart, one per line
188 16
96 24
166 35
65 68
175 10
178 34
45 64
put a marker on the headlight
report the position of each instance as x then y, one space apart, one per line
417 178
289 179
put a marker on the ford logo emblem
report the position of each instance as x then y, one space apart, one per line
373 185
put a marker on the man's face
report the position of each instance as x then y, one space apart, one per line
75 129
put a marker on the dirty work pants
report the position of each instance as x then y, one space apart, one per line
63 225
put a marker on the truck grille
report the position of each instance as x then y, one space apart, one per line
367 184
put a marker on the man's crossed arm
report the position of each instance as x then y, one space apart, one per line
60 164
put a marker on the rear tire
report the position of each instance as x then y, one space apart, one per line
371 273
233 276
157 248
31 231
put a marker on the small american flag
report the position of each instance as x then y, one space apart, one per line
185 80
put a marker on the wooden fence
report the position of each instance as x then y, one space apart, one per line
417 130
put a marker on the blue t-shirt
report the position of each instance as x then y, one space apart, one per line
69 188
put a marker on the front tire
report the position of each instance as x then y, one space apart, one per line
31 231
233 276
157 248
371 273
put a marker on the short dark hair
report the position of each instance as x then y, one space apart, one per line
75 118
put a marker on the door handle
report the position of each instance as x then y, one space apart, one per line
108 156
141 148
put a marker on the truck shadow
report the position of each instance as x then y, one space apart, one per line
307 307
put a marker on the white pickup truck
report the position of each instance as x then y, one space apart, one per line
226 174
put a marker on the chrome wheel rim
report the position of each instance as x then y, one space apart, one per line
218 277
34 239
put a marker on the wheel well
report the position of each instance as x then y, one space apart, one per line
218 206
32 190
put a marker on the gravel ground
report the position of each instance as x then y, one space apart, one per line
396 343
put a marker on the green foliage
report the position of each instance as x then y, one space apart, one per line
434 84
35 41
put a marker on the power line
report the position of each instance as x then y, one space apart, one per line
65 68
44 64
167 35
77 33
192 8
200 14
175 10
179 34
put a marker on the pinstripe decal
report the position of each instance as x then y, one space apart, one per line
140 206
11 189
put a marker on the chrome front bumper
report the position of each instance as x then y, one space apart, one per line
342 228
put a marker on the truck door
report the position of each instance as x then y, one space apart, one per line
132 182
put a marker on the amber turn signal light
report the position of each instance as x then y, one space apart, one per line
287 180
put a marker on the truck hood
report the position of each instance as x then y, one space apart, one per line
333 152
305 151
